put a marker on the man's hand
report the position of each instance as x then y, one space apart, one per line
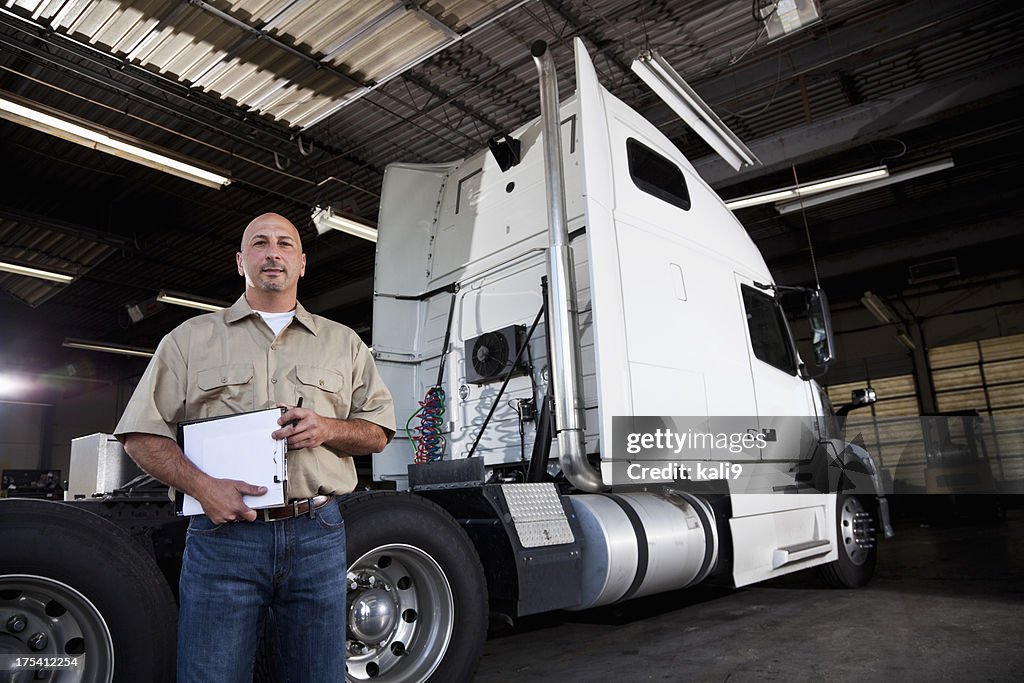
305 428
222 500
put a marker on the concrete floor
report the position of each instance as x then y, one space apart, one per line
946 603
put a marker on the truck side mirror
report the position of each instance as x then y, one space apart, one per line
863 397
822 343
858 399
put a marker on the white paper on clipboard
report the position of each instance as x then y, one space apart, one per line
238 447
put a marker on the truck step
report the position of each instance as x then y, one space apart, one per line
800 551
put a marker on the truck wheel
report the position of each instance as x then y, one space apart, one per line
417 600
858 551
73 584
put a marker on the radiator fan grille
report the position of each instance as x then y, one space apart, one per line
490 356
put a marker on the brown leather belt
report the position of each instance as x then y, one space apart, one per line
293 509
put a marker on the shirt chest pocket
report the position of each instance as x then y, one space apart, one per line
224 390
327 392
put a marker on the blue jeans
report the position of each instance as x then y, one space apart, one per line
233 574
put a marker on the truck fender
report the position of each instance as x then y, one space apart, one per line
853 470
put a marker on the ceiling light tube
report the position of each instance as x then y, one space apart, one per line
833 195
9 266
667 84
189 301
101 141
325 219
105 347
905 339
806 189
878 308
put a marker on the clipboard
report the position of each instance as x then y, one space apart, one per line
237 446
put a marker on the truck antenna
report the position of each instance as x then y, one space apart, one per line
807 230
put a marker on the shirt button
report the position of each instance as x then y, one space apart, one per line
224 379
321 382
273 347
273 380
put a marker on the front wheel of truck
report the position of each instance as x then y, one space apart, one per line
417 599
856 525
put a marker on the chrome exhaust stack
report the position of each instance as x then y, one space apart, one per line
565 369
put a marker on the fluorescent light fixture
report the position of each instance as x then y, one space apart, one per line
811 188
681 98
904 338
325 219
87 345
20 268
101 141
879 308
892 178
190 301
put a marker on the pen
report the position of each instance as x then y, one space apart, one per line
295 422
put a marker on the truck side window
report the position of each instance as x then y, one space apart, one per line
768 334
656 175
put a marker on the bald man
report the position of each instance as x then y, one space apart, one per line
239 564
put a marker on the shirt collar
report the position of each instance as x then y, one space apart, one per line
241 310
305 317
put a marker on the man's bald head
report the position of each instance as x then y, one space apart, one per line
269 220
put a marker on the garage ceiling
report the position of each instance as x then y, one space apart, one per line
305 102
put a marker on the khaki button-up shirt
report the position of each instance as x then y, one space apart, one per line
230 362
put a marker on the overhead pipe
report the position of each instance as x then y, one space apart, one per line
564 365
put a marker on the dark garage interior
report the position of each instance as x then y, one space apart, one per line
303 104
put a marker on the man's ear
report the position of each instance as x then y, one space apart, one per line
238 262
302 270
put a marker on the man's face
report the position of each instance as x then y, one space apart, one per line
271 259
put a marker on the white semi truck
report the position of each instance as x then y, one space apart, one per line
604 401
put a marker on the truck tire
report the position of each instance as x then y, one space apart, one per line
858 549
417 602
73 583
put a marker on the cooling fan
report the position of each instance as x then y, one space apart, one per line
491 356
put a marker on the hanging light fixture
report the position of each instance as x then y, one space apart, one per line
21 268
325 219
667 84
87 345
99 140
805 189
189 301
891 179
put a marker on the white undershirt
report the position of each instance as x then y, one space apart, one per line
277 321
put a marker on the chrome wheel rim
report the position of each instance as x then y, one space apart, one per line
401 614
46 618
855 530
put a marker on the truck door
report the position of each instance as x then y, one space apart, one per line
785 407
